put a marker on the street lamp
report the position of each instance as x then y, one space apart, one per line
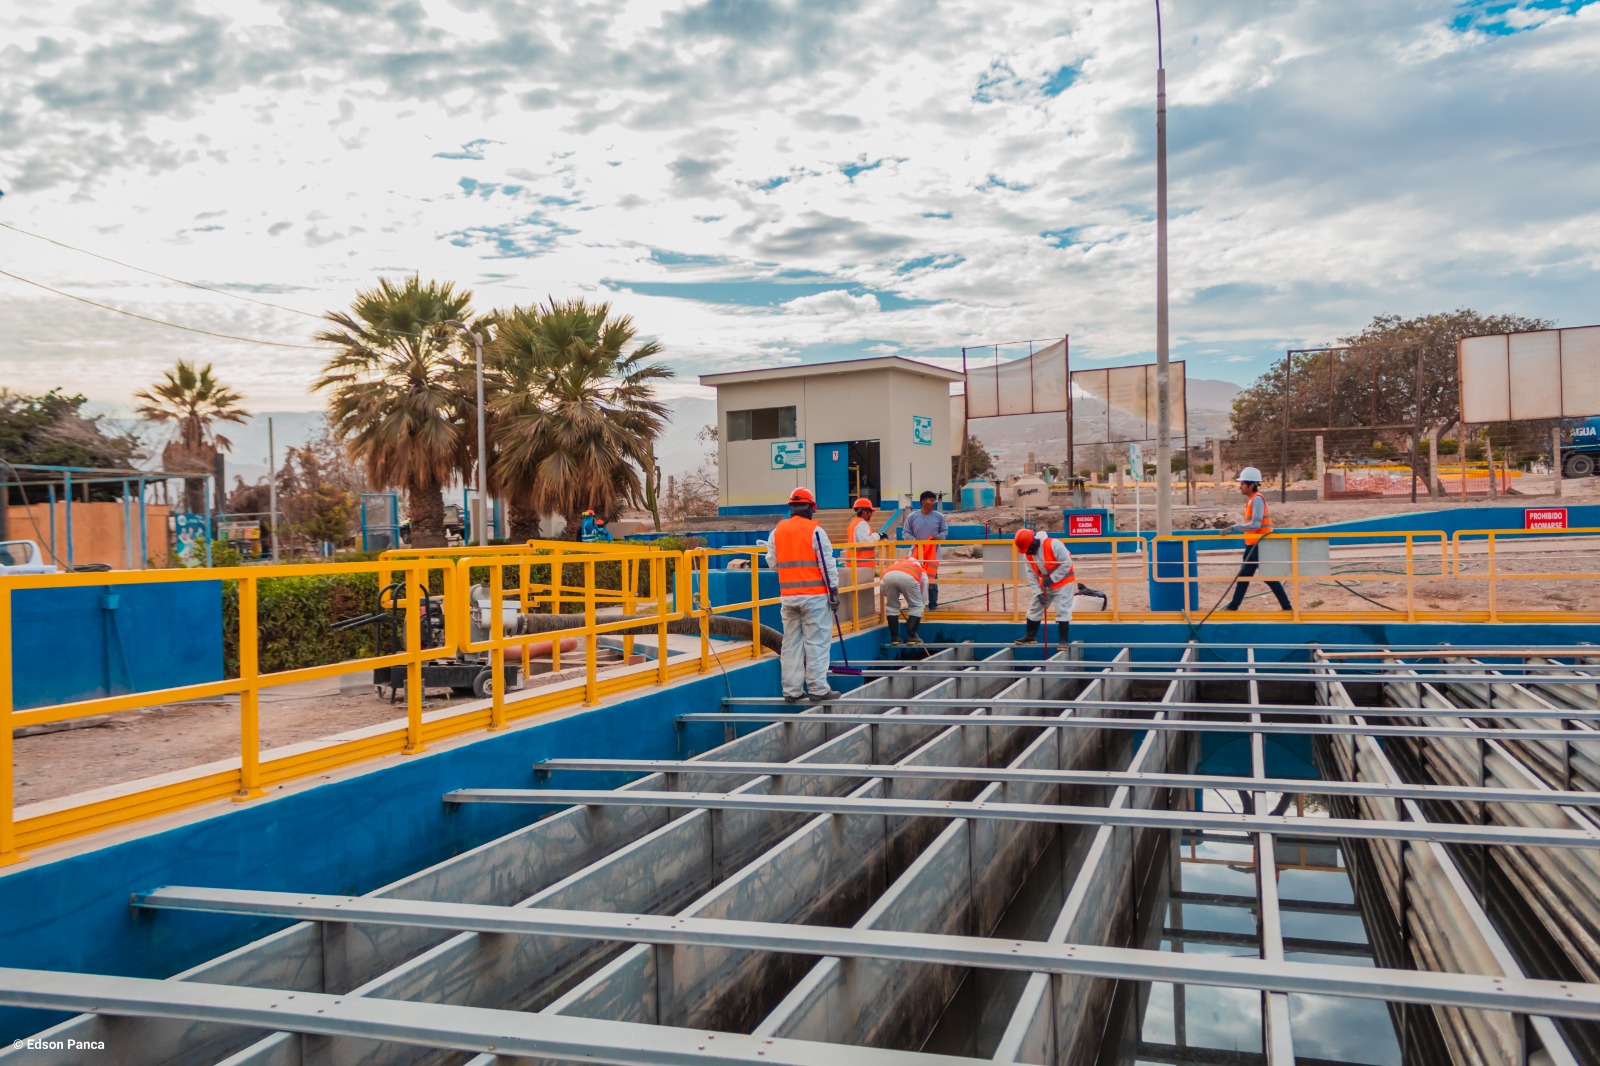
483 446
1163 385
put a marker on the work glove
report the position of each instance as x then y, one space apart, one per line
833 602
883 536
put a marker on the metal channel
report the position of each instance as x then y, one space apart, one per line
973 862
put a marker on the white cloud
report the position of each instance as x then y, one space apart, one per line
900 160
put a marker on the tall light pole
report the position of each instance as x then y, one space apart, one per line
1163 369
482 524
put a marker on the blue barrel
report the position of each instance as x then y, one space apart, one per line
976 493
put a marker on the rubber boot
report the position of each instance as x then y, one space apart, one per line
1062 628
914 624
1031 636
894 629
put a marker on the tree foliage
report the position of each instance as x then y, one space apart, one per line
573 409
52 430
1374 381
397 392
191 401
975 462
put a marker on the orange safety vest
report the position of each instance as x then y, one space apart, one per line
909 565
1254 536
861 556
928 552
1033 561
799 570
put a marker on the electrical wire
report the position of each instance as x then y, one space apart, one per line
163 322
156 273
33 519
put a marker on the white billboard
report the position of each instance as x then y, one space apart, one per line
1546 373
1129 399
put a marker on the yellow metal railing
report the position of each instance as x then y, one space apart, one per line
650 590
448 574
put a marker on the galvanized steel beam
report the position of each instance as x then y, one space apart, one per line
1037 812
429 1025
1558 999
1134 724
1309 786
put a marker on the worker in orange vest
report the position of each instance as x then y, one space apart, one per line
1048 568
1256 527
807 579
905 584
862 556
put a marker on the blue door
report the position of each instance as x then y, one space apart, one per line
832 464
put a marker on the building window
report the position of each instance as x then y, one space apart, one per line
761 423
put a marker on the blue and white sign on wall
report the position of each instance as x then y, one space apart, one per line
921 430
788 454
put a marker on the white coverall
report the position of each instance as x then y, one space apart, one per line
807 626
1056 562
900 588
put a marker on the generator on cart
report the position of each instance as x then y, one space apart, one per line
463 674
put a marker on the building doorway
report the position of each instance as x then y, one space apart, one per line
846 471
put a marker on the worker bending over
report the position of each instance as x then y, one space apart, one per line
1050 572
807 579
905 584
1257 525
929 525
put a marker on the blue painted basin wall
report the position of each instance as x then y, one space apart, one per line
356 835
81 643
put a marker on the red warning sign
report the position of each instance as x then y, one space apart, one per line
1544 518
1085 525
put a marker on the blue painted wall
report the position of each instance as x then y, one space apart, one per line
355 836
80 643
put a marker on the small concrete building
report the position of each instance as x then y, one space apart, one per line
879 428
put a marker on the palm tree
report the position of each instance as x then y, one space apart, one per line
574 412
395 392
194 401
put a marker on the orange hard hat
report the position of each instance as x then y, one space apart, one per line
862 503
588 514
1023 540
802 496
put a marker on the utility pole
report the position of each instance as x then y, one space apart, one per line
1163 390
272 489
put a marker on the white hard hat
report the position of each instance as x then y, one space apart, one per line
1250 473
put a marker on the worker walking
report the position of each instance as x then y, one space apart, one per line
929 525
905 586
803 557
1054 582
1257 525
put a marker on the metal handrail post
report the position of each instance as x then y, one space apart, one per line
250 696
8 769
413 619
591 690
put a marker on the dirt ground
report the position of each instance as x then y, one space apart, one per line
157 740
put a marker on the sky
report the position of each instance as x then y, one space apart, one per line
769 182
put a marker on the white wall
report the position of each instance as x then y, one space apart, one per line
865 405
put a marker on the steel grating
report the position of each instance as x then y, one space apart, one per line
974 856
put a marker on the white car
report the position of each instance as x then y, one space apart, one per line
23 557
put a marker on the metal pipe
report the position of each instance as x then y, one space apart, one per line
1163 354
